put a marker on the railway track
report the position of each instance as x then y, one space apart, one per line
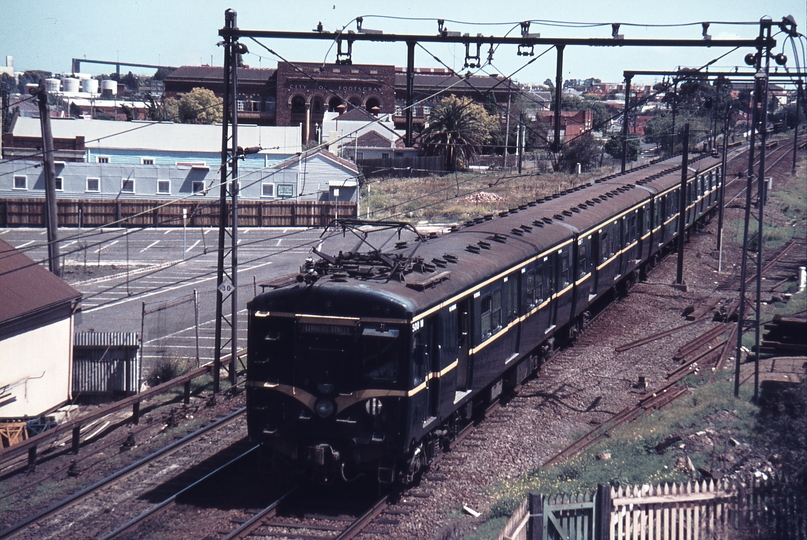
123 493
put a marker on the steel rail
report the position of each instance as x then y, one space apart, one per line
355 528
119 474
172 499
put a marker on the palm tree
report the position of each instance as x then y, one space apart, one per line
457 128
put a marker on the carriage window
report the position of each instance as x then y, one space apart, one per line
566 266
491 313
582 258
529 286
511 286
630 230
379 353
546 280
604 246
486 316
420 355
496 311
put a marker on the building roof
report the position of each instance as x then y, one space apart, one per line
216 73
162 136
449 82
373 139
26 287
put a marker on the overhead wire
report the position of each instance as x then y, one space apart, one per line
252 172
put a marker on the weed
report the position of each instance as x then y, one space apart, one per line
167 369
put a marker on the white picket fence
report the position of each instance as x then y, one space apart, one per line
698 510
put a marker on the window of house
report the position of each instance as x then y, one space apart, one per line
94 185
20 182
384 155
102 159
147 161
267 190
59 183
198 187
241 105
127 185
164 187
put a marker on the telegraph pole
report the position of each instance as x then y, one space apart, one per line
51 217
227 278
682 208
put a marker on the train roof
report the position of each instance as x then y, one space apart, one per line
420 272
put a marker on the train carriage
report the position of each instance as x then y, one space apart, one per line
370 360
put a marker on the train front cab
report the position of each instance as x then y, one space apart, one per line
328 395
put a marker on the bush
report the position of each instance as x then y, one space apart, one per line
167 369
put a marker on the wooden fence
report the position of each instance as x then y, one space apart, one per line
693 511
153 213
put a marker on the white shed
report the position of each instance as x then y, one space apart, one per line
36 336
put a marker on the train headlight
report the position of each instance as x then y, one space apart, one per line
324 407
373 406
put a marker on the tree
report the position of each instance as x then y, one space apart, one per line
457 128
31 76
162 73
199 106
131 82
584 150
614 147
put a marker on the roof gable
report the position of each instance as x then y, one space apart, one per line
373 139
324 155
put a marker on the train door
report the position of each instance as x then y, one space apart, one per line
421 369
463 319
548 281
584 264
564 279
594 254
644 233
511 312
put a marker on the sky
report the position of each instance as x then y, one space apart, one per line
48 34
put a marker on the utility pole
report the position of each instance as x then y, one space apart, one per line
682 208
51 216
227 278
520 140
759 120
628 79
558 95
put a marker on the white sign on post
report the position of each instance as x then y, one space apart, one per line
226 286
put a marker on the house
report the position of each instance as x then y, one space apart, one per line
315 175
36 336
572 123
104 160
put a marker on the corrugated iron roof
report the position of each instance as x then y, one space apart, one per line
26 286
216 73
162 136
105 339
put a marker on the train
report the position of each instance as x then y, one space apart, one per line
369 361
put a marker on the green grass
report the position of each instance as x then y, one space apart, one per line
632 447
440 198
